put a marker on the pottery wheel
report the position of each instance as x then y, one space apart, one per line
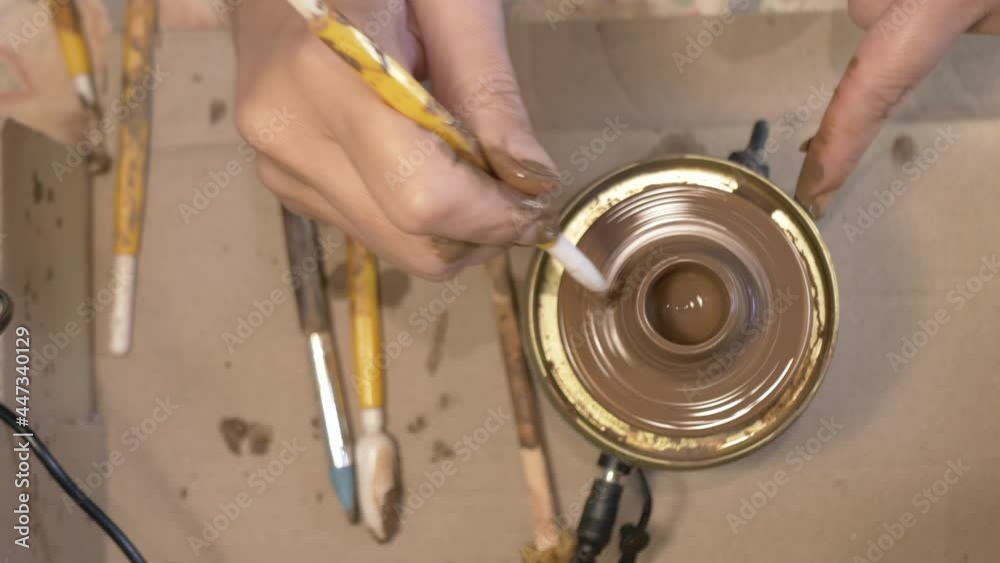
720 320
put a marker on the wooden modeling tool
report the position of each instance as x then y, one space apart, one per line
401 91
314 319
377 454
133 168
551 543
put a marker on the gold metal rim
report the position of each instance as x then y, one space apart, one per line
602 427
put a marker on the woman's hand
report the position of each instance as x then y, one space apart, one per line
350 160
905 41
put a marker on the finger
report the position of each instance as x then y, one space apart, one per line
419 255
418 182
866 12
473 77
296 195
886 66
415 180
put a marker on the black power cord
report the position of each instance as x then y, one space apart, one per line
55 470
634 537
599 514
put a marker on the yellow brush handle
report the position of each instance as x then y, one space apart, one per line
362 274
134 132
395 85
71 40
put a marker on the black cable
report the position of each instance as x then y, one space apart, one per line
55 470
635 537
6 310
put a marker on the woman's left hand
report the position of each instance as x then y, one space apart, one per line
905 41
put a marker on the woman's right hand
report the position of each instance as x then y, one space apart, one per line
349 159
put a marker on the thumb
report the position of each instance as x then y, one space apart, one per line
466 50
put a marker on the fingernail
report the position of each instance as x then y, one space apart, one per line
529 175
534 220
451 251
817 205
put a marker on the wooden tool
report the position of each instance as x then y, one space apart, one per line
133 167
551 543
306 262
377 454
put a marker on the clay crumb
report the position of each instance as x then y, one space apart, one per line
196 78
417 426
227 364
37 190
184 493
234 430
904 149
444 401
436 355
216 111
259 436
440 451
319 497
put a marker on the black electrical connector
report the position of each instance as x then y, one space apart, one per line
754 156
597 521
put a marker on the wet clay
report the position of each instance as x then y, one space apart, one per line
709 317
687 304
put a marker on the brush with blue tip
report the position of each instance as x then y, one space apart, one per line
314 318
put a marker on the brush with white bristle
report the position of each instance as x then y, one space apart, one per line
376 453
76 54
133 169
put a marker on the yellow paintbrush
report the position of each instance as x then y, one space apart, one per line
76 53
375 451
402 92
133 168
